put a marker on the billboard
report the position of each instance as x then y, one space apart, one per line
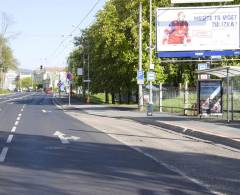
198 28
210 96
198 1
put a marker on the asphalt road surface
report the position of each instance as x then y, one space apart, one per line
41 153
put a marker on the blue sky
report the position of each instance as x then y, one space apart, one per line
41 25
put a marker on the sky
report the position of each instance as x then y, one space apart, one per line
40 30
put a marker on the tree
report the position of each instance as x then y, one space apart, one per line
26 83
111 43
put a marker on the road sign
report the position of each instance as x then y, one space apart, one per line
69 76
140 77
203 66
87 81
80 71
151 76
59 84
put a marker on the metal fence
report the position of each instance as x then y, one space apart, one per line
184 101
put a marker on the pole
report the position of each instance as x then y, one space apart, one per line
69 94
88 97
232 105
140 91
228 95
150 110
160 97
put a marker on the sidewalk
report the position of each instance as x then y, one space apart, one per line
217 131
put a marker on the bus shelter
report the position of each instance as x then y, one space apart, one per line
224 73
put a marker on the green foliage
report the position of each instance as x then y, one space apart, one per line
3 91
26 82
112 45
6 56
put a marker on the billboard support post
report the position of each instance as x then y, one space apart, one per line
228 95
232 99
186 94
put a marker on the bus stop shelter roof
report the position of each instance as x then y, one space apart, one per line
222 72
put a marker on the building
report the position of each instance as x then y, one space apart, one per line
12 77
49 77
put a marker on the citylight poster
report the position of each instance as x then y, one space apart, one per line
210 96
198 28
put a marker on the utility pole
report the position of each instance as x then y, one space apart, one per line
88 81
140 91
150 105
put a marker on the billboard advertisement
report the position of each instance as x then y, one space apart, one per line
210 96
198 1
198 28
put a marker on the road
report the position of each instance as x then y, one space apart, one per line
45 151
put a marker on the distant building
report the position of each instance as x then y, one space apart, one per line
49 77
11 78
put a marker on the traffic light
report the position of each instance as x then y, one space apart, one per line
41 67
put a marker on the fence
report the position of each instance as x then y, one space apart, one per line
183 99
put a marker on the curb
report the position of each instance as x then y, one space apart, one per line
194 133
186 131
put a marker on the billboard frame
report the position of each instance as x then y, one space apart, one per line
194 52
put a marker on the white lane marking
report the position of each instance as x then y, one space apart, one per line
65 139
9 139
18 118
15 98
16 123
19 115
22 110
3 154
13 129
169 167
45 111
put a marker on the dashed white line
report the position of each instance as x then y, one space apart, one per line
9 139
3 154
44 111
19 115
18 118
13 129
22 110
16 123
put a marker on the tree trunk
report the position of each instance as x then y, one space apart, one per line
113 98
120 97
106 98
128 96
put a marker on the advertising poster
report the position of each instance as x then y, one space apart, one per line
210 96
198 28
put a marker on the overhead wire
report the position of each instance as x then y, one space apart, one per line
76 28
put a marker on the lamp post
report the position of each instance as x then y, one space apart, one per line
150 105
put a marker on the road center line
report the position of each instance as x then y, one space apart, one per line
18 118
19 115
9 139
3 154
16 123
22 110
13 129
